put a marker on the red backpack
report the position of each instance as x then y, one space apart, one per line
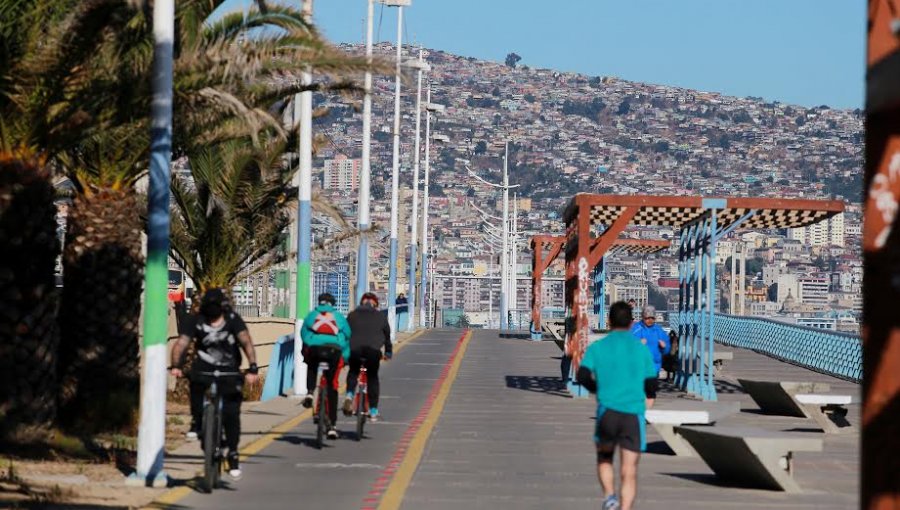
325 324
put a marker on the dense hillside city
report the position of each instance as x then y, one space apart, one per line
571 133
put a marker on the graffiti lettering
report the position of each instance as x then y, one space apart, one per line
883 197
584 283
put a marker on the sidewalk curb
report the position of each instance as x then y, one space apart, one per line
173 495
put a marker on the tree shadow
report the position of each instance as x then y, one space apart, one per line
308 442
538 384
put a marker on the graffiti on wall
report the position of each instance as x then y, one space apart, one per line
883 194
583 303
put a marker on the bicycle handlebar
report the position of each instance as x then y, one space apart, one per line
218 373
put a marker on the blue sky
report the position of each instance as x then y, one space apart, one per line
806 52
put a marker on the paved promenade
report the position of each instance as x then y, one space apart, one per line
483 423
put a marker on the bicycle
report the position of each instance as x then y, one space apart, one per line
361 400
321 410
213 431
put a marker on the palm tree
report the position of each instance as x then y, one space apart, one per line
45 46
229 218
229 75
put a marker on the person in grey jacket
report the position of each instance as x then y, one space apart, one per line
370 332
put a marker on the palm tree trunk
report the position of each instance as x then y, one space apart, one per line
100 314
28 300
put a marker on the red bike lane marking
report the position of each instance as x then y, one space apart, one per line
377 488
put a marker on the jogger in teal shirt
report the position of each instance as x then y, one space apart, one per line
620 370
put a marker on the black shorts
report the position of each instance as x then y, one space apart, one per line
622 429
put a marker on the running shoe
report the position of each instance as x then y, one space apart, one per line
332 433
373 414
234 467
611 503
307 401
348 405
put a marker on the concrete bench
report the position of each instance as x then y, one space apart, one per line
803 400
749 456
665 417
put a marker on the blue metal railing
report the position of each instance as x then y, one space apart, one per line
829 352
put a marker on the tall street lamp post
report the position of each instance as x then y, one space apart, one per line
421 67
429 109
152 427
365 177
395 171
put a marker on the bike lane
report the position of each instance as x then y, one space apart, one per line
345 474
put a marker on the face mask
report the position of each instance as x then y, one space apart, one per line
211 311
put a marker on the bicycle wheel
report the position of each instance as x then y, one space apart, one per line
210 441
360 412
321 427
219 449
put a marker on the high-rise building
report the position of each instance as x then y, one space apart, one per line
341 173
813 290
335 280
823 233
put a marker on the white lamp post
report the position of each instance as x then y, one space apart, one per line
395 172
429 109
504 287
420 66
365 177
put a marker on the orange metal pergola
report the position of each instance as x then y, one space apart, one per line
595 222
554 245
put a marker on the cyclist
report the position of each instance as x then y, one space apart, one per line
220 335
326 337
370 332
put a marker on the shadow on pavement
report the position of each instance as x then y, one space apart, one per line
517 336
702 478
538 384
310 442
659 448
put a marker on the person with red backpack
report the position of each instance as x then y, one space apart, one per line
326 337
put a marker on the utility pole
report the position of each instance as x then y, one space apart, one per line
421 66
732 294
504 236
513 283
365 178
743 284
152 427
504 288
395 182
303 287
426 210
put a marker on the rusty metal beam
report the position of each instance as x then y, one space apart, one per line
880 487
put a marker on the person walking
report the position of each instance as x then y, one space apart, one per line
370 332
621 372
652 335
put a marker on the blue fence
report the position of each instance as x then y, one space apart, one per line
837 354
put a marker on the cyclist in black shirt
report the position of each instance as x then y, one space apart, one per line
220 334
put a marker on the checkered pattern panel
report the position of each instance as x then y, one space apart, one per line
783 218
679 216
675 216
